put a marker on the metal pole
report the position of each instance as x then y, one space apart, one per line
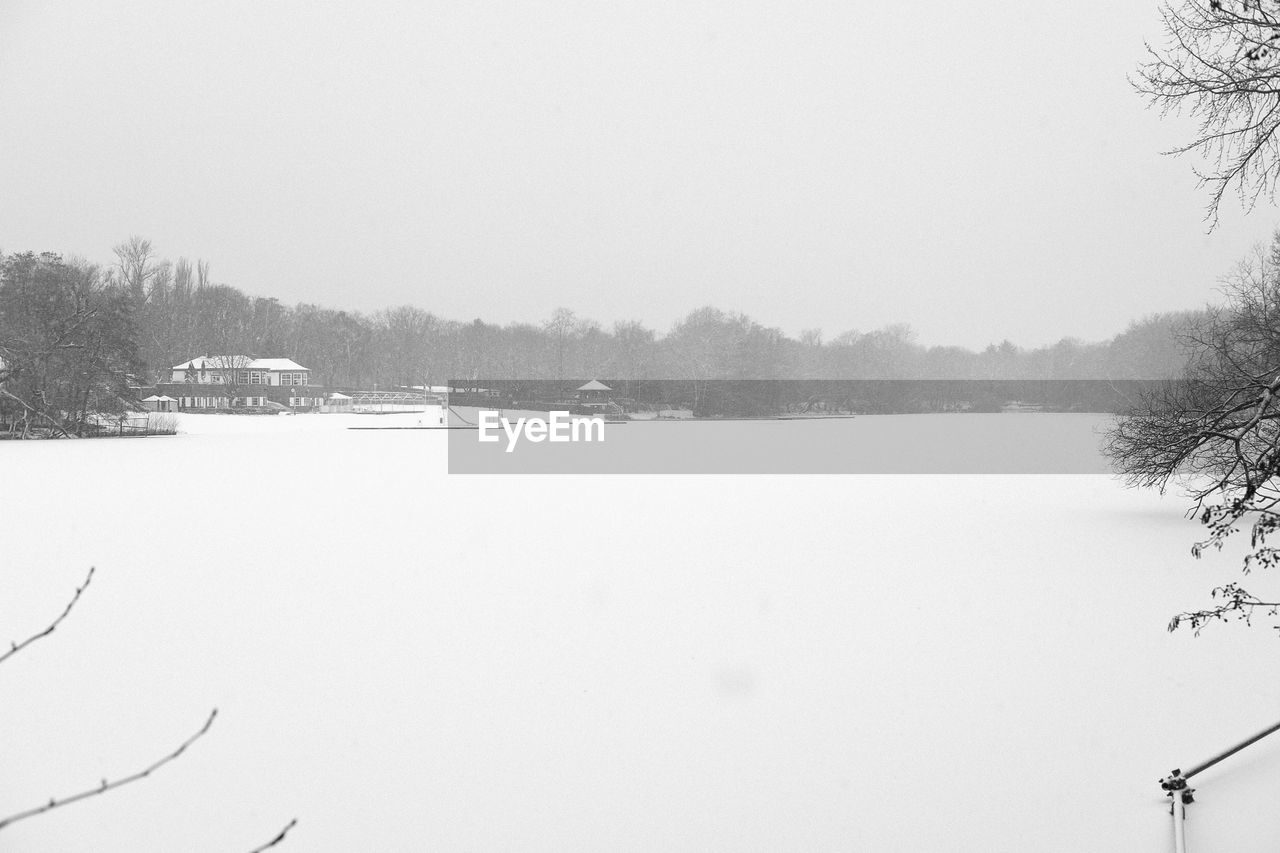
1230 752
1176 788
1179 812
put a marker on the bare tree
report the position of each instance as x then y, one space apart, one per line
68 339
406 333
1216 433
561 328
230 375
1220 65
135 263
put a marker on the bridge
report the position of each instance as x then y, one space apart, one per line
393 401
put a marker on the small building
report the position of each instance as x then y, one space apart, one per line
160 403
337 403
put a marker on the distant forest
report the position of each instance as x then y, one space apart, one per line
173 310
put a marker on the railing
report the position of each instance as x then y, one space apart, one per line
1176 788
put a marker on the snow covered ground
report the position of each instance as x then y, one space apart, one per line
407 661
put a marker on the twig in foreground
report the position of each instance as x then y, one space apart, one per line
14 648
273 842
107 786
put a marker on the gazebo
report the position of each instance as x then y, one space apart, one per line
594 391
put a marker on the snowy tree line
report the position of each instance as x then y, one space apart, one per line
183 314
173 310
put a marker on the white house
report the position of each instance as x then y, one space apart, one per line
241 370
248 382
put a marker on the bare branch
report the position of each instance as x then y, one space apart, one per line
1236 604
33 410
105 786
1221 67
17 647
273 842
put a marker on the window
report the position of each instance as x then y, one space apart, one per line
255 377
242 376
302 379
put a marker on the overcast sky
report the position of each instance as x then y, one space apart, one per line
980 171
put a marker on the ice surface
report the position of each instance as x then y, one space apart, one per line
407 661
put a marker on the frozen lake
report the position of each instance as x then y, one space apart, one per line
409 661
